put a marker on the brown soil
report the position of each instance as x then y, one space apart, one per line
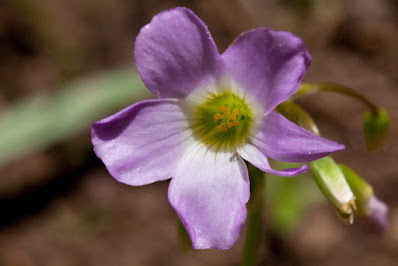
61 211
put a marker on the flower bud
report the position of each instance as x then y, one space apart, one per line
371 210
377 220
298 115
330 180
375 127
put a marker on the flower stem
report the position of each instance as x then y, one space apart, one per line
309 88
185 241
254 217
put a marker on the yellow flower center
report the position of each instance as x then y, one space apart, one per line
226 119
222 121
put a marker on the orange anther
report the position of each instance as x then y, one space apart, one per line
224 109
224 129
236 123
230 124
235 112
218 127
217 117
233 116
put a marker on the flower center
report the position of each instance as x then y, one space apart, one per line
226 119
223 121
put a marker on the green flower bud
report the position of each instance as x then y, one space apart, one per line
361 189
298 115
370 209
330 180
375 127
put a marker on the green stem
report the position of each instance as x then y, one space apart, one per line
309 88
185 241
254 217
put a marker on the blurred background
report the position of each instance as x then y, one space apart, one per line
67 63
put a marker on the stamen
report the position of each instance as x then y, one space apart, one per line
223 120
228 120
224 109
217 117
234 113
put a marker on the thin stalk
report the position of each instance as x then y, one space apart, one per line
185 241
254 217
309 88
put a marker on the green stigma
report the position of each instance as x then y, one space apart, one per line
223 121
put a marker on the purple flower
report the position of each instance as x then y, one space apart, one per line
376 221
213 111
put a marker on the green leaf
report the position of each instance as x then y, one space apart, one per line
39 122
289 198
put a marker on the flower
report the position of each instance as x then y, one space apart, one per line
372 212
213 111
376 220
335 184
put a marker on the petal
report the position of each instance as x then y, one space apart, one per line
175 54
283 140
253 155
142 143
269 65
377 221
209 193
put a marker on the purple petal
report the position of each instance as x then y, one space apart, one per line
253 155
377 221
283 140
142 143
269 65
209 193
175 54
